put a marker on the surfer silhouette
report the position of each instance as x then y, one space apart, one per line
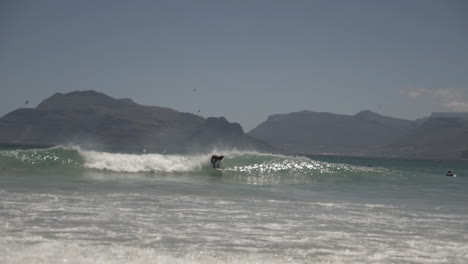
216 160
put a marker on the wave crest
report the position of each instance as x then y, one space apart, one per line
142 163
236 163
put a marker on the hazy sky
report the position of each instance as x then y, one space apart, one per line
246 59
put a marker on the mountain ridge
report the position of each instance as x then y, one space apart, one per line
99 121
366 133
96 120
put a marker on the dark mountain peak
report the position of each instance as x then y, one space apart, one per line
307 131
220 124
76 99
95 120
304 112
367 114
220 119
307 113
87 93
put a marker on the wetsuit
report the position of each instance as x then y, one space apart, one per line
216 160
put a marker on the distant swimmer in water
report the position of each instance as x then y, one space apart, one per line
450 174
216 160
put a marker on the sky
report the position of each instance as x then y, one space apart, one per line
242 59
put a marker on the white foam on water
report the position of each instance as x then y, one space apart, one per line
51 252
213 222
142 163
142 228
79 252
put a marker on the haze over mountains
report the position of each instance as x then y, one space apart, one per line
442 135
95 120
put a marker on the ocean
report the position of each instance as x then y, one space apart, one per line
68 205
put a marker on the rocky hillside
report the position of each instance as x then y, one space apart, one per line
95 120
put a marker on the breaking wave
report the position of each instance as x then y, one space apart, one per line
235 162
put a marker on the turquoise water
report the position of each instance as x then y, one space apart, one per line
67 205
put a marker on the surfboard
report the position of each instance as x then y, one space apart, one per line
218 169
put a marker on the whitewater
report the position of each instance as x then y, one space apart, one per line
69 205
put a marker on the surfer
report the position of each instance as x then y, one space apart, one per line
216 160
449 173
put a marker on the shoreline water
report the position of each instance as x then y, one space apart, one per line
77 206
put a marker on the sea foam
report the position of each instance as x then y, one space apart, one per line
142 163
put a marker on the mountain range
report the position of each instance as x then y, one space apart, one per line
441 135
98 121
95 120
